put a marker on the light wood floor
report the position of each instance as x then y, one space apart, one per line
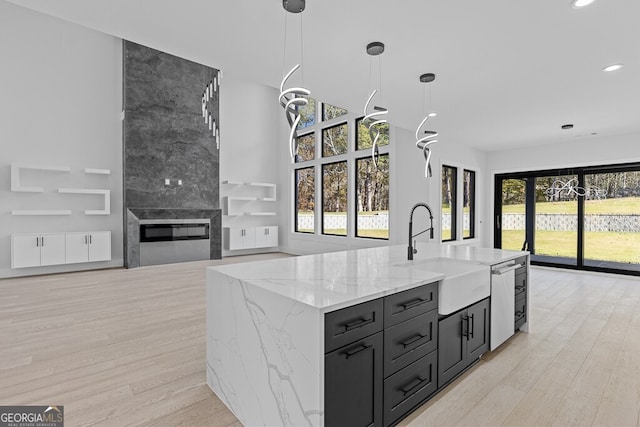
127 347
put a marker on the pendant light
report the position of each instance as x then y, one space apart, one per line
207 100
428 136
292 99
375 115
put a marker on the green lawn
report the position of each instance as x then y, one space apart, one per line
602 246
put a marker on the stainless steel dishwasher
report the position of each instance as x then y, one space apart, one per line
502 302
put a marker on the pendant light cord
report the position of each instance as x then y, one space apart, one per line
301 50
284 44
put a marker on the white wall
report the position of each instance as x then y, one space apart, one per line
60 105
249 126
593 151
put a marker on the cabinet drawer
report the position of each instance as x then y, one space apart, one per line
521 284
520 317
405 305
408 341
407 388
345 326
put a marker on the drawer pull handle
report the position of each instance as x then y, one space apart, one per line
357 350
414 303
417 382
412 340
465 322
357 324
520 313
471 328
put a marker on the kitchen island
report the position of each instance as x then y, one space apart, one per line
274 326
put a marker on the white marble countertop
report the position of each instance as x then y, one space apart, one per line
330 281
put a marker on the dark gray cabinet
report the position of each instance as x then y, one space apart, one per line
381 358
353 384
462 338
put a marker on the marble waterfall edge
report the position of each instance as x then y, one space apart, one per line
264 356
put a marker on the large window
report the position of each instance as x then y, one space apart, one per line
586 218
305 200
334 198
468 204
372 186
334 159
307 114
449 198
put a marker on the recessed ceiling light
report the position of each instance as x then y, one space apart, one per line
576 4
612 67
567 126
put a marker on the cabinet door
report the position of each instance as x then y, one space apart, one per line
353 384
249 239
272 236
52 249
452 347
25 250
478 336
100 246
261 237
77 247
235 238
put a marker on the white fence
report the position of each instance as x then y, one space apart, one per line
567 222
338 221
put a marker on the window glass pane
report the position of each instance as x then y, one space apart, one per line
612 220
334 140
514 193
307 114
331 112
556 218
449 197
363 139
372 186
305 200
306 147
334 198
469 204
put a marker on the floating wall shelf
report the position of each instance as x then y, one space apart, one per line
15 176
97 171
105 193
41 212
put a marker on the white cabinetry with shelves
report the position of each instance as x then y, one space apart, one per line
245 200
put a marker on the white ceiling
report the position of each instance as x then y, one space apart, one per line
509 73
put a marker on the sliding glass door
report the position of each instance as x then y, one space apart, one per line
586 218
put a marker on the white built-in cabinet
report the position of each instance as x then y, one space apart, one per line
241 201
266 236
88 247
42 249
34 250
251 237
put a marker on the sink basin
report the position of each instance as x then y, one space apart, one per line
464 284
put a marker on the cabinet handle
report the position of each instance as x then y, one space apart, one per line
42 241
357 324
520 288
520 313
353 352
472 326
37 242
410 341
465 322
414 303
90 242
85 239
415 383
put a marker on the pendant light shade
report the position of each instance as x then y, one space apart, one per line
293 98
424 137
376 114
